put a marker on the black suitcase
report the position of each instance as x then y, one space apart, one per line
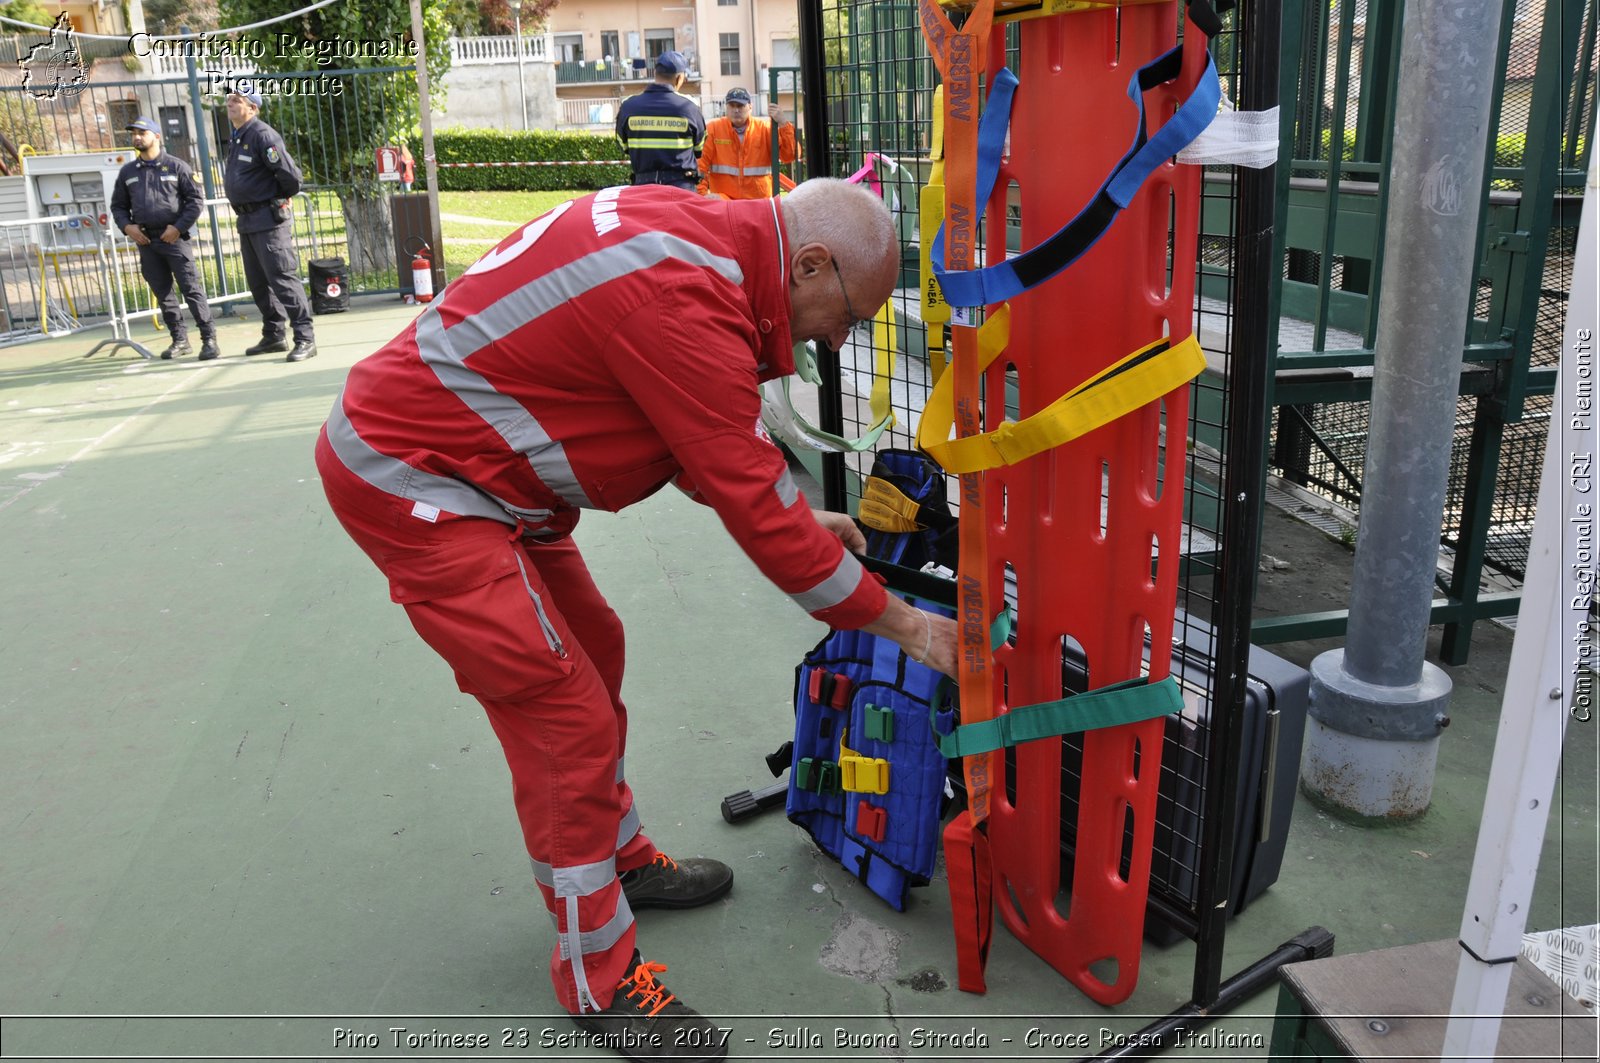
330 288
1272 730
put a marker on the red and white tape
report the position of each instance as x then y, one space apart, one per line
553 162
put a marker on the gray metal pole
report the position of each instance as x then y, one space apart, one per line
1377 706
430 163
202 140
522 79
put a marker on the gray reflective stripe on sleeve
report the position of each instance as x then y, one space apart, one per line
446 350
788 490
628 828
758 171
833 590
393 476
597 940
580 880
731 171
620 775
508 417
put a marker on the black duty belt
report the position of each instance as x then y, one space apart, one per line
666 177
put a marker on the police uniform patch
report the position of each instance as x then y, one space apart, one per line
272 155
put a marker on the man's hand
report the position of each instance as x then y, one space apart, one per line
841 525
925 638
136 234
777 116
171 235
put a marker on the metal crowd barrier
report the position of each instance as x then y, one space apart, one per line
58 277
69 273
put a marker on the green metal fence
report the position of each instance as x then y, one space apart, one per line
1341 66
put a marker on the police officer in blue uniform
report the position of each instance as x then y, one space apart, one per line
258 180
662 131
156 203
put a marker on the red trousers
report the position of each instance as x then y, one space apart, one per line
530 636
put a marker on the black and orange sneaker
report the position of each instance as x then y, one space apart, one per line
647 1022
668 883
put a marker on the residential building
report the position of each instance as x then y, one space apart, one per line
605 49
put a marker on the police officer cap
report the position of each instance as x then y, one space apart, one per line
672 63
144 124
737 96
245 92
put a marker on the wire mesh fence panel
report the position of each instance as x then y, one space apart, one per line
1348 60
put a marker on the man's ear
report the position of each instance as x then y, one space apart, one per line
810 260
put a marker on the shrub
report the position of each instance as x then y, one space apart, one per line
533 145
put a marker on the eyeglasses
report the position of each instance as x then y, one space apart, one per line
855 322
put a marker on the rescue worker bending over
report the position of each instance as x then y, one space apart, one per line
156 203
662 130
604 350
737 160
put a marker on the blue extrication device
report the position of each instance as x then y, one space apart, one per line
867 781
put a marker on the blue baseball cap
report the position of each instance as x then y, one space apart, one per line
245 92
737 95
672 63
144 124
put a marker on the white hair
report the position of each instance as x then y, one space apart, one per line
847 219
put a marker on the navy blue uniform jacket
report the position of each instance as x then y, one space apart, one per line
258 171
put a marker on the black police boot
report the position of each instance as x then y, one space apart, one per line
179 349
208 349
646 1022
303 349
668 883
269 345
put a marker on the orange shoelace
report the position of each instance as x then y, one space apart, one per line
646 991
665 861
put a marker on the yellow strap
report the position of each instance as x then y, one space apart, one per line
861 775
884 507
884 342
1140 378
930 215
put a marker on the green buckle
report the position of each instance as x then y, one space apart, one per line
817 776
878 723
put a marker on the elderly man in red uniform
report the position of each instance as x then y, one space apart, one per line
604 350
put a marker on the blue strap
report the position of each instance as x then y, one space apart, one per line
1004 280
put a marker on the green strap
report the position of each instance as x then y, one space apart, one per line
1127 702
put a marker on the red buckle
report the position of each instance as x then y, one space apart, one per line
870 820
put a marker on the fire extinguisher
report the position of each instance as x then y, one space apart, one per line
422 275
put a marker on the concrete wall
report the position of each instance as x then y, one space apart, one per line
484 96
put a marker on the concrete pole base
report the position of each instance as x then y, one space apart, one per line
1370 750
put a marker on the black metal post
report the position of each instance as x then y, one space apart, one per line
830 403
1244 481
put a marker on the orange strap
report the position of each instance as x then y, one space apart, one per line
959 55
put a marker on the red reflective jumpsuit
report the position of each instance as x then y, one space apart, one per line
607 348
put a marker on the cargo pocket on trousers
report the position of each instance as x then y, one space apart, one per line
502 637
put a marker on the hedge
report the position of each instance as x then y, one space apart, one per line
532 145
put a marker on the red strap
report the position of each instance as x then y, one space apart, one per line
970 872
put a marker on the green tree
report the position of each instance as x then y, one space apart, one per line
171 16
339 134
30 11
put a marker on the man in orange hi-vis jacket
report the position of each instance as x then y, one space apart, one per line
737 160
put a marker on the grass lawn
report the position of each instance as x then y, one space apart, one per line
513 207
469 241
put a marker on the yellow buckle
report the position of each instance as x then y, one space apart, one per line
861 775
